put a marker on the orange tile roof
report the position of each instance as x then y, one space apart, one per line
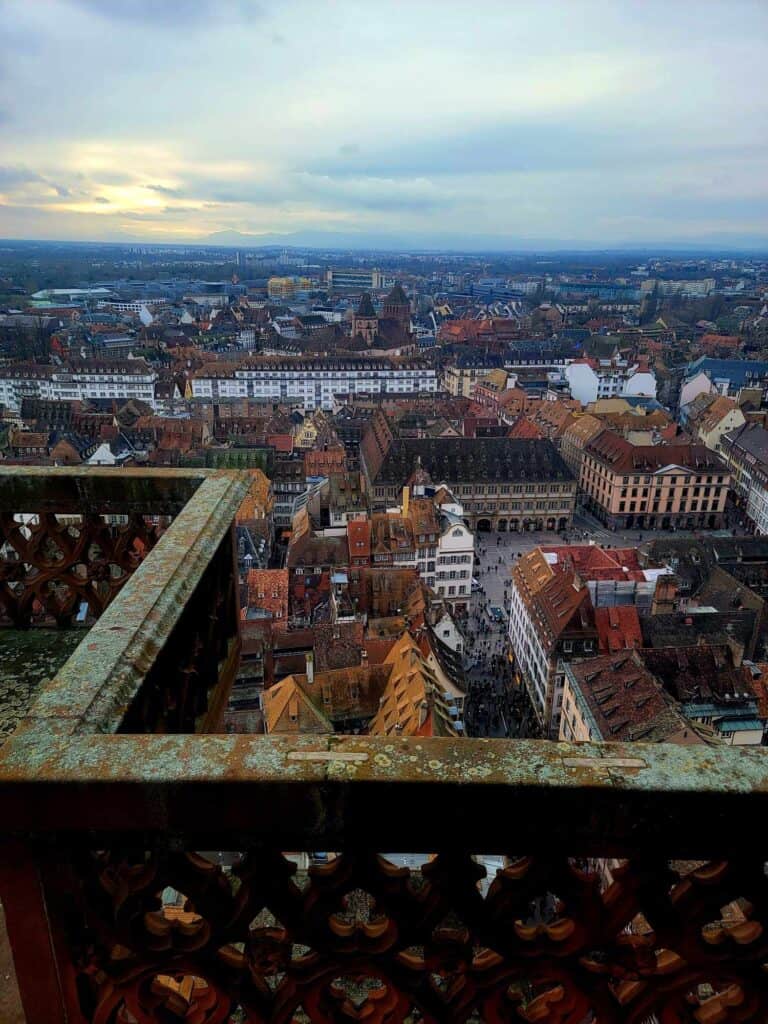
413 703
523 428
268 589
583 428
555 595
423 516
258 501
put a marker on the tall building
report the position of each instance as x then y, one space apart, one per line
551 620
746 452
357 280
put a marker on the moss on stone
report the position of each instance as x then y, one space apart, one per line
27 659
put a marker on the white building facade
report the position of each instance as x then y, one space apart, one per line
455 560
610 379
134 379
314 385
531 658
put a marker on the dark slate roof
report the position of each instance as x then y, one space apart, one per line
697 674
397 296
601 347
752 439
740 549
642 401
468 359
84 446
574 333
366 306
686 629
466 459
694 558
738 371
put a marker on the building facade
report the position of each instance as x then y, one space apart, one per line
551 621
592 379
502 483
710 416
357 280
132 378
671 486
312 384
461 376
746 454
417 534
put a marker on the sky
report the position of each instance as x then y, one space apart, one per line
437 124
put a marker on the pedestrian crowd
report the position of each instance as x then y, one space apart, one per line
492 707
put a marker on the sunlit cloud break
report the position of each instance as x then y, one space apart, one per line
560 122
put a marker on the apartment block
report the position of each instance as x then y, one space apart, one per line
312 383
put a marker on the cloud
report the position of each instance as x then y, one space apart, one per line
164 190
522 146
177 14
12 177
178 211
618 125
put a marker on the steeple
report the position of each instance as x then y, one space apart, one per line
397 307
365 322
365 309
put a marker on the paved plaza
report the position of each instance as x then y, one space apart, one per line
494 707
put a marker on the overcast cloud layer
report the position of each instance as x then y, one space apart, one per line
169 120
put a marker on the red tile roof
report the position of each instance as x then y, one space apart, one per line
359 538
595 563
624 697
620 456
618 628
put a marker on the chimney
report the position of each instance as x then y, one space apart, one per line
310 667
406 500
664 595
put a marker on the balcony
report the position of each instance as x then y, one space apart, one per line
154 871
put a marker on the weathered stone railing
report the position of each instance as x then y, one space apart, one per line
104 831
163 651
154 878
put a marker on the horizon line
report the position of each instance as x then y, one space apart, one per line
553 247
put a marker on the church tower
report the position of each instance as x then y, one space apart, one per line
397 307
365 322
